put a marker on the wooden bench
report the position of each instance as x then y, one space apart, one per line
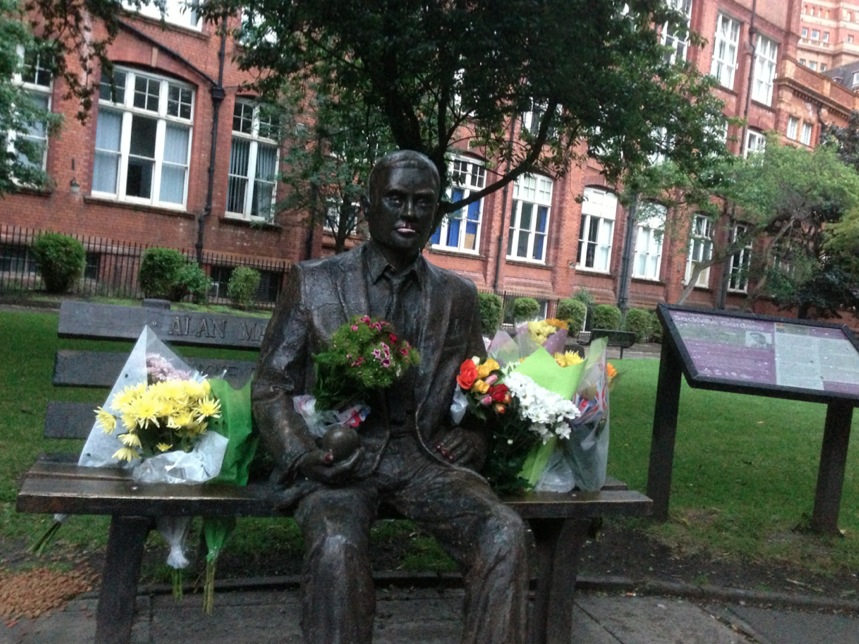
621 339
56 484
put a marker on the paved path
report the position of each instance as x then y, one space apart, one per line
430 615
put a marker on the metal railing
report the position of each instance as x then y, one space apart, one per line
112 268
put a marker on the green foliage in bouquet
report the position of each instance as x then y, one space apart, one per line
365 355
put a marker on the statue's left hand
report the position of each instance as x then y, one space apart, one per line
457 447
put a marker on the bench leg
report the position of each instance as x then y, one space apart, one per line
558 547
115 613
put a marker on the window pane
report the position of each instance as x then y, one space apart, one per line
143 131
107 138
146 93
174 169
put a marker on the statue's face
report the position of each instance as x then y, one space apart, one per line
402 210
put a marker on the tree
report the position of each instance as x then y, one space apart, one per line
796 199
23 121
328 160
443 73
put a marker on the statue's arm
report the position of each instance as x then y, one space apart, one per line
282 372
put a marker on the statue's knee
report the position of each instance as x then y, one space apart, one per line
506 533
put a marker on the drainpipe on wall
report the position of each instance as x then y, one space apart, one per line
218 94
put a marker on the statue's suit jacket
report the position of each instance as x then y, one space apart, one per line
323 294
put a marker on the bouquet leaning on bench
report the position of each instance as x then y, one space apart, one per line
169 423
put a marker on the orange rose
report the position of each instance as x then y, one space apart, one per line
467 374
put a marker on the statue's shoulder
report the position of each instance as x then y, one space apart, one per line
311 269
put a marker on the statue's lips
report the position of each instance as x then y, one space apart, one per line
405 230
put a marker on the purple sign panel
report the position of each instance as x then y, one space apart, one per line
767 352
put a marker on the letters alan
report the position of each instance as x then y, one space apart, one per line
209 328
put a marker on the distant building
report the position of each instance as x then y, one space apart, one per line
828 34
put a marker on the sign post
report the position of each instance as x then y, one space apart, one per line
765 356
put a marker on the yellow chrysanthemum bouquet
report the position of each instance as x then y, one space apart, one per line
158 417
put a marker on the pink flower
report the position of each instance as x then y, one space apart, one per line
486 400
354 327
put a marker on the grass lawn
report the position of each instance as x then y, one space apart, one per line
745 467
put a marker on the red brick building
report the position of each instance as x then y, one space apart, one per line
174 154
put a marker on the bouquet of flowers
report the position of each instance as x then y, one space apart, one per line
170 412
586 453
365 356
529 402
548 407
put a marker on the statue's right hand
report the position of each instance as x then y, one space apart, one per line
318 465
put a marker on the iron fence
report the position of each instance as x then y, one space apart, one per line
112 267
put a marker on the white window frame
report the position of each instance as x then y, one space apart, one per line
677 40
596 230
172 111
738 277
181 13
649 235
530 217
756 142
700 250
254 132
805 133
725 46
460 231
37 82
766 56
792 128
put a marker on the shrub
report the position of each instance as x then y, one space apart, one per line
491 307
61 259
243 286
606 316
656 327
639 322
583 295
166 273
573 312
525 308
194 281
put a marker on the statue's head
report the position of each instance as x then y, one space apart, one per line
401 203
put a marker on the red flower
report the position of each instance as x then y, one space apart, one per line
467 374
499 393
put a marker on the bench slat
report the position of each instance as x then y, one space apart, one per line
69 419
66 488
109 321
101 368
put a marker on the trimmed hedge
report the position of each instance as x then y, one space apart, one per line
573 312
491 309
61 259
525 308
640 322
167 274
243 286
606 316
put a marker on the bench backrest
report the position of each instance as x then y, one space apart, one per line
100 368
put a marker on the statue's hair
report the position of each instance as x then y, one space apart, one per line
402 159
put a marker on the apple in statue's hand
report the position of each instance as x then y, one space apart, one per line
340 442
